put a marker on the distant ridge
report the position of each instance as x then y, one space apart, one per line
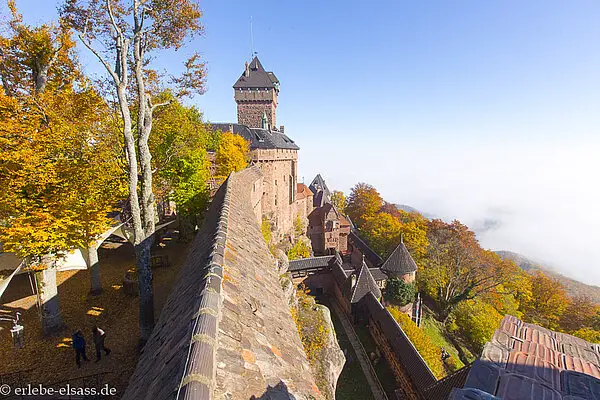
574 287
407 208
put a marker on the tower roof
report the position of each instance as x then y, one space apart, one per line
365 283
258 138
400 261
257 77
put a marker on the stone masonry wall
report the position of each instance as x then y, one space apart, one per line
279 169
250 114
226 331
252 104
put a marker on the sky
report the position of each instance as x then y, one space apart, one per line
483 111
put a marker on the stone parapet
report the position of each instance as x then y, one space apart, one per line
226 330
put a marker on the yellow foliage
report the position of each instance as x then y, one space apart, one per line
232 154
60 173
430 352
313 333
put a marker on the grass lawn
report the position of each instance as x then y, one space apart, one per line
436 332
51 359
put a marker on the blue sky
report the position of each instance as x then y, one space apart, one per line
476 110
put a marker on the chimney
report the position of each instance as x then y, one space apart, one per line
247 71
281 128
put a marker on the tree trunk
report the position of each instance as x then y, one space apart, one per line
48 296
142 242
142 217
142 253
144 127
187 225
91 258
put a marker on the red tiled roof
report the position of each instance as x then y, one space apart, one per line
302 191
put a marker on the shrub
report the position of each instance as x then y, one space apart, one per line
428 350
399 292
314 333
265 228
299 229
476 321
299 250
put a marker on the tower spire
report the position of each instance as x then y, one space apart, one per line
252 52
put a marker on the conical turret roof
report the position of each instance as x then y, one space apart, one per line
400 261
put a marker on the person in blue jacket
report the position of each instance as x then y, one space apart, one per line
79 346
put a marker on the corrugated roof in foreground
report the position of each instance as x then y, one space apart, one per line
226 331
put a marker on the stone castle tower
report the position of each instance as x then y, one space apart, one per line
256 96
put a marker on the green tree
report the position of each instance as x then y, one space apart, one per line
179 141
232 154
363 203
267 233
589 334
382 231
399 292
299 227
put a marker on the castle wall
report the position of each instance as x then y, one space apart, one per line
279 169
219 334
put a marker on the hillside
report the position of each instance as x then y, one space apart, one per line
407 208
574 287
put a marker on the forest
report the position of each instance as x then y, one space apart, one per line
467 289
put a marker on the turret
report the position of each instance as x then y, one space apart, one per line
255 93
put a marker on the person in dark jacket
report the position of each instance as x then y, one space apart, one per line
79 346
99 336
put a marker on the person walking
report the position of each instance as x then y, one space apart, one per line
79 346
99 337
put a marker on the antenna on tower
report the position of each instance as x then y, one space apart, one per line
251 40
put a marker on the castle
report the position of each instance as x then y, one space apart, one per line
275 154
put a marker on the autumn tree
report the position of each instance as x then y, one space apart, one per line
338 200
35 57
232 154
59 175
126 36
580 312
548 301
457 269
476 321
363 203
382 231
